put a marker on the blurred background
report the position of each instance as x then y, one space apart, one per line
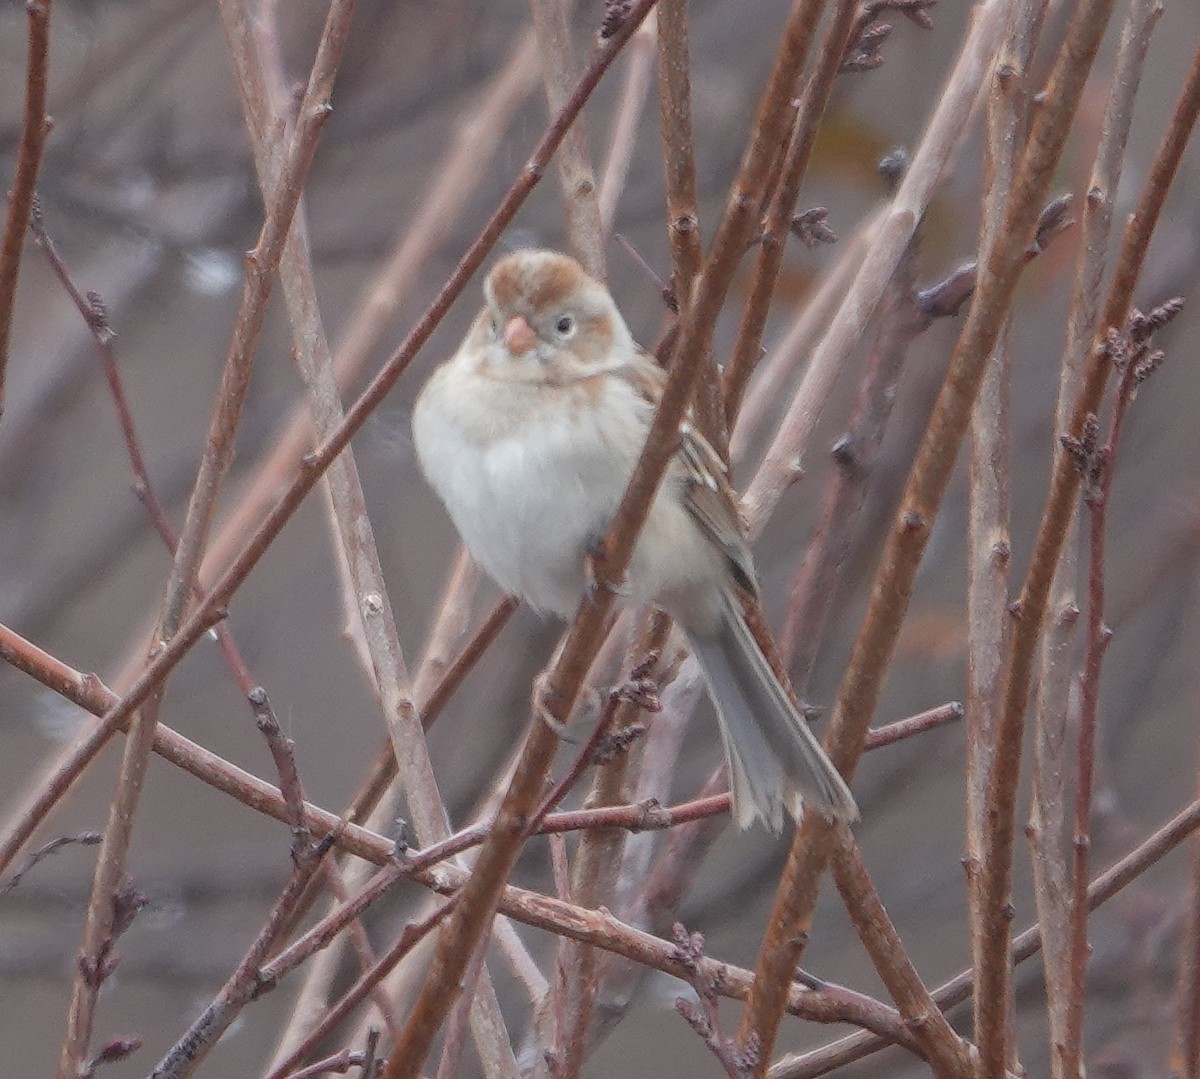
148 190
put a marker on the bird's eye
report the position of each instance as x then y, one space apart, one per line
565 327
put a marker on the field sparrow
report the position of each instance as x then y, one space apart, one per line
530 433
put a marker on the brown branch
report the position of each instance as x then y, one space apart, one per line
1025 945
94 313
455 1039
1185 1054
873 648
948 1054
598 858
83 839
988 528
777 223
706 1019
255 48
814 584
260 270
767 388
244 984
342 1062
679 162
314 464
1051 535
35 128
630 109
283 754
585 233
410 936
1048 810
889 240
1131 354
746 199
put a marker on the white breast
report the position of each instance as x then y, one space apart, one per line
529 482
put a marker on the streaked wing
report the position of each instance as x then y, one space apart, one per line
709 497
712 501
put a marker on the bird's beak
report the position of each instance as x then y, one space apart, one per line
519 336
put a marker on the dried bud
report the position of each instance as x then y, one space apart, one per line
615 14
812 227
892 167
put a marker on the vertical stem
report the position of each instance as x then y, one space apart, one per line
679 162
1098 636
998 274
260 271
585 232
988 540
1050 770
34 130
994 981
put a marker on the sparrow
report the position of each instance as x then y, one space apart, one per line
530 433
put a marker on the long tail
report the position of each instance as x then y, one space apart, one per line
775 761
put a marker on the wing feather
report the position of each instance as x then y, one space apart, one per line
708 495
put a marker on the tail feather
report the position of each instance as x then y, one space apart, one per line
775 761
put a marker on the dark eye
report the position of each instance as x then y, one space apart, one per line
565 326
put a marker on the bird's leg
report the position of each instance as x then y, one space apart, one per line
541 702
594 576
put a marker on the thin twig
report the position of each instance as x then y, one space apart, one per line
747 196
1048 809
873 648
315 463
1025 945
244 984
94 313
679 162
889 240
598 858
283 754
777 220
1185 1054
988 510
1130 352
410 936
83 839
261 266
947 1053
376 806
814 584
623 138
34 130
767 388
1051 535
577 179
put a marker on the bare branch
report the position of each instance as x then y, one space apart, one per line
1002 264
35 128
